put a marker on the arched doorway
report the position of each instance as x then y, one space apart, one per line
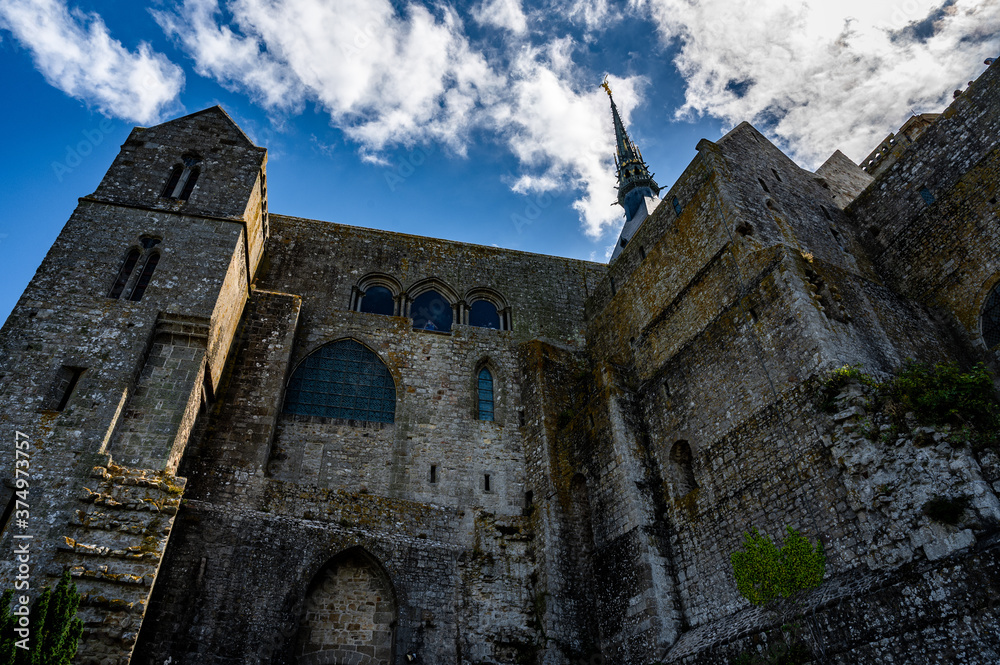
349 615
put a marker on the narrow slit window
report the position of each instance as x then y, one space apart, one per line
128 265
189 185
65 384
485 394
486 483
775 172
763 185
926 195
147 273
171 186
8 510
677 206
683 461
434 473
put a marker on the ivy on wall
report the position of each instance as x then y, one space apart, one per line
765 572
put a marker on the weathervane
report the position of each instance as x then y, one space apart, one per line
607 88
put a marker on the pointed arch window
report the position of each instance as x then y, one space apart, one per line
990 318
147 273
128 265
183 178
342 379
485 382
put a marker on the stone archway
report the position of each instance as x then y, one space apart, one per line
349 614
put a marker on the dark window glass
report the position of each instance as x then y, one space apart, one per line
189 185
677 206
175 177
926 195
991 318
377 300
144 277
430 311
63 387
483 314
342 380
124 273
763 185
485 394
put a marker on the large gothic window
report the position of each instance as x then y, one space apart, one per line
991 318
342 379
485 394
430 311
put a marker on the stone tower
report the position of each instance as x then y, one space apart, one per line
115 347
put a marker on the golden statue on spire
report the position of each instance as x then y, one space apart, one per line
607 88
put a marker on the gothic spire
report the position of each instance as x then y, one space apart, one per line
634 178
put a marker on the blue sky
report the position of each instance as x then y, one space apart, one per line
478 121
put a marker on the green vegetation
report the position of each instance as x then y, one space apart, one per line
764 572
936 395
767 574
52 624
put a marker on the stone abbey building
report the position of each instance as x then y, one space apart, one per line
258 439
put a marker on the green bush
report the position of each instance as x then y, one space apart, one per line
765 572
936 395
943 394
54 627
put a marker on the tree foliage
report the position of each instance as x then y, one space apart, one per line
764 572
54 628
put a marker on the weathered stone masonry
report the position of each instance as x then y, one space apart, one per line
645 415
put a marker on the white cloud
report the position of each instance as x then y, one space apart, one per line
820 75
506 14
390 78
385 77
75 53
562 136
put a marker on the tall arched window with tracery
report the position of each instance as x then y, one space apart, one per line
342 379
485 383
990 318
